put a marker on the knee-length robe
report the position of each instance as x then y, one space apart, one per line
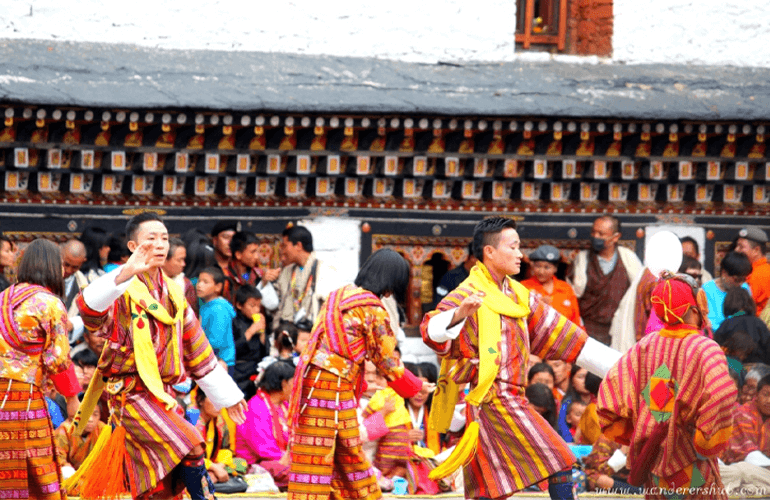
157 439
680 365
516 446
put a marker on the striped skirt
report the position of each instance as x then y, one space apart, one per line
28 467
326 457
156 441
517 447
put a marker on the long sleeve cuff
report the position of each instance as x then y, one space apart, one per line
597 358
438 327
617 461
220 388
458 418
269 295
757 458
407 385
103 291
77 329
66 382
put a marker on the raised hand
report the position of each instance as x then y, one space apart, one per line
468 307
139 262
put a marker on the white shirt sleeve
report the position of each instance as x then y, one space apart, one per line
617 461
103 291
77 328
269 296
220 388
438 327
597 358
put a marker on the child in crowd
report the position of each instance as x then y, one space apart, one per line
216 315
419 407
214 429
250 336
285 342
72 450
398 452
541 398
576 392
588 427
85 362
304 329
573 412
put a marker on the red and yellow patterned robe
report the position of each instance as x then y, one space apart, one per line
517 447
326 448
676 364
156 439
751 432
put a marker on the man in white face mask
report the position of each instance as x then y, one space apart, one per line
600 277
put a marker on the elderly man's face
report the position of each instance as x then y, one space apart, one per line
71 264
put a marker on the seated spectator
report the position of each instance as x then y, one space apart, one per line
751 380
213 427
734 269
588 428
541 399
740 316
285 342
250 338
541 373
72 450
398 450
216 315
304 329
419 406
573 412
561 379
85 362
606 469
737 350
576 392
263 438
7 260
750 440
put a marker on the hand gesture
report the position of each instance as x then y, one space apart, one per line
237 412
256 327
271 274
389 406
468 307
139 262
415 435
428 387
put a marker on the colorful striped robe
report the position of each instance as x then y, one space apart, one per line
675 364
751 433
157 439
517 447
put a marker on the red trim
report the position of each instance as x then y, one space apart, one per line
66 382
407 385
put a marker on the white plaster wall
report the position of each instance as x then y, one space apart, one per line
337 243
714 32
420 31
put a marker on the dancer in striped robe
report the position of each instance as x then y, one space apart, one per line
485 331
153 342
327 460
673 381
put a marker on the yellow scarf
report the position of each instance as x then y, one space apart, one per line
141 303
495 304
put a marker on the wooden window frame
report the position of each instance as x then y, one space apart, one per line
528 38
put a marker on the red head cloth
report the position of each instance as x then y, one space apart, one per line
671 298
